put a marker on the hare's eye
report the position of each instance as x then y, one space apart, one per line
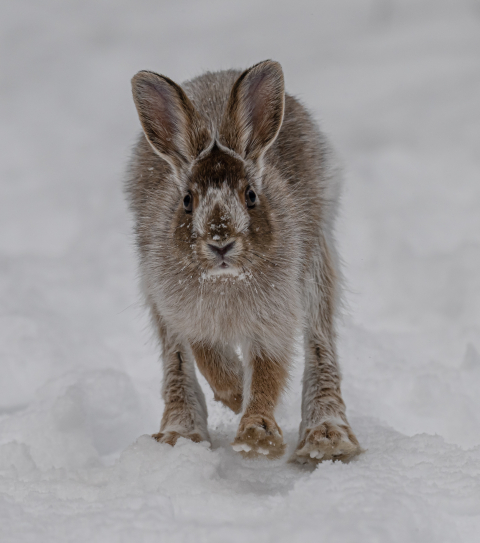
250 197
188 203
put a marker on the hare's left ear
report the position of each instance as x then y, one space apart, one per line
170 122
254 112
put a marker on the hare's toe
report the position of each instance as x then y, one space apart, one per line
171 437
327 441
259 435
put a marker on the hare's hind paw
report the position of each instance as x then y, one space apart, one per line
259 436
327 441
233 401
171 437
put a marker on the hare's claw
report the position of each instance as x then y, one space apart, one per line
171 437
259 436
327 441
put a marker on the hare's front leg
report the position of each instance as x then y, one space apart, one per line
185 413
325 433
258 432
222 368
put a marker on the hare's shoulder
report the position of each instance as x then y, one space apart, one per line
300 151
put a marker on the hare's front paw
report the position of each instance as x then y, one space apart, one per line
171 437
259 435
327 441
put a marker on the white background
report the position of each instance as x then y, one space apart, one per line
396 85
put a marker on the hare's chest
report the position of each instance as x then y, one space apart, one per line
209 315
232 316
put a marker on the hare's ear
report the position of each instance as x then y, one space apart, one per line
170 122
254 112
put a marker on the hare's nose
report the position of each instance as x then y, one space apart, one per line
222 251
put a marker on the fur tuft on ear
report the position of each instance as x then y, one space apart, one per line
254 112
170 122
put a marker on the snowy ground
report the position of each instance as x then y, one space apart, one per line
397 86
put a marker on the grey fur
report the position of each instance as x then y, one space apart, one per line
286 281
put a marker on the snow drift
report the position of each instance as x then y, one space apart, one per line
396 84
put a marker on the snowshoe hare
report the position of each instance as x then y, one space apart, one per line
234 197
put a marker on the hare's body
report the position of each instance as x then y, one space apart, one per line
247 260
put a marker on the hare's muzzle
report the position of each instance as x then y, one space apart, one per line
221 250
222 256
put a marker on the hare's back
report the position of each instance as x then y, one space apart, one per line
209 93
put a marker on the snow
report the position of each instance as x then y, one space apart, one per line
396 85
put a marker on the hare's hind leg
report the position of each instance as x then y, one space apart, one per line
265 379
325 433
222 368
185 413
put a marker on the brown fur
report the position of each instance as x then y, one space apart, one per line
223 370
220 136
258 428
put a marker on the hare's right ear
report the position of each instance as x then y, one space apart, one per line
170 122
254 112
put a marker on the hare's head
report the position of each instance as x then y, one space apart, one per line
223 222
